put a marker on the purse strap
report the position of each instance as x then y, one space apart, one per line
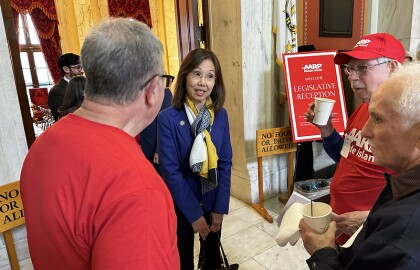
223 255
223 259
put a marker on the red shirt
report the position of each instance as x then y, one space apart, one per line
93 201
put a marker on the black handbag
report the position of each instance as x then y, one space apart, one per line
224 264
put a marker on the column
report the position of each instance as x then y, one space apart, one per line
13 146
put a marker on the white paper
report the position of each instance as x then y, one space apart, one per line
294 198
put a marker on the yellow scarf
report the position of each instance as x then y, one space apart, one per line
211 161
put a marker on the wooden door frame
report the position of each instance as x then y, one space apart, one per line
187 26
13 43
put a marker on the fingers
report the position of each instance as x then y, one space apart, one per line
349 222
203 236
332 229
302 225
215 227
331 234
203 233
313 241
310 114
337 218
216 221
156 158
340 225
200 225
216 218
309 117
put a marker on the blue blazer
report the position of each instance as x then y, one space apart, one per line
175 141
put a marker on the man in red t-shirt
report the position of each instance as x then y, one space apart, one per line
357 181
91 198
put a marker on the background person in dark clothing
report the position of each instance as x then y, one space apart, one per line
69 64
75 94
148 137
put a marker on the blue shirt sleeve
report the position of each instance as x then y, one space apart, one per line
333 144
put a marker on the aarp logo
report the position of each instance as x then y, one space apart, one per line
312 68
363 43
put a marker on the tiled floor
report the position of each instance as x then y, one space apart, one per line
248 239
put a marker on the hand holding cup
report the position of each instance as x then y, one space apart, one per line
326 127
317 215
322 109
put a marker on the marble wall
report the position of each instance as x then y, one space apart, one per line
395 18
260 93
415 29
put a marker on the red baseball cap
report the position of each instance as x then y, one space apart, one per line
374 46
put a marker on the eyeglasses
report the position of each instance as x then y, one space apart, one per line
197 76
360 70
166 79
79 67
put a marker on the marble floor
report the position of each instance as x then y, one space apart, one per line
249 240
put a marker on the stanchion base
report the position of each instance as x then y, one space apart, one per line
284 197
263 212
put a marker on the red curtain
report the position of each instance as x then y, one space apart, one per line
44 17
136 9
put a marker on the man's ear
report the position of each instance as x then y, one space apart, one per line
395 65
417 128
66 69
153 91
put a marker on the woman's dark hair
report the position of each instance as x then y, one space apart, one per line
75 94
191 61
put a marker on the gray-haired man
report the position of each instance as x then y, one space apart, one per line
99 204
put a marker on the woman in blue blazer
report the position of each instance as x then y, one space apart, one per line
196 155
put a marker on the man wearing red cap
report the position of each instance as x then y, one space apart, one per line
357 181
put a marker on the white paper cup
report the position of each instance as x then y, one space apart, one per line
323 108
321 216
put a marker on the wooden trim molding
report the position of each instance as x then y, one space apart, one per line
186 12
311 20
